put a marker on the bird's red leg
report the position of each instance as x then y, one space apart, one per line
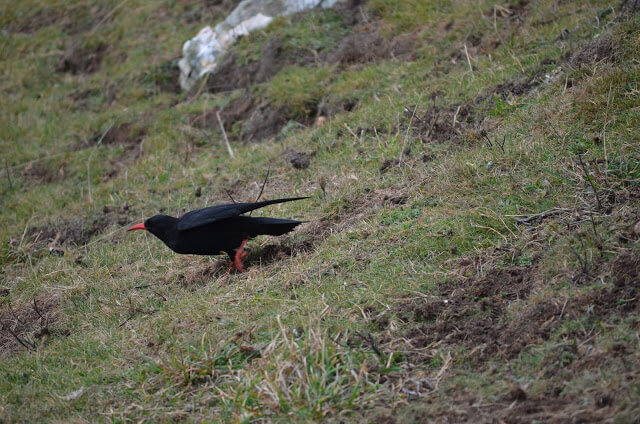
237 259
240 253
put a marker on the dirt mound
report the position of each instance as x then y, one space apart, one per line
441 123
82 58
605 49
26 326
40 172
245 118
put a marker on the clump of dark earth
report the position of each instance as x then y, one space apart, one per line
299 160
388 164
82 59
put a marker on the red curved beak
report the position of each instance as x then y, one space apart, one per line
138 227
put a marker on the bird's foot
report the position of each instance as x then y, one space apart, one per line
237 259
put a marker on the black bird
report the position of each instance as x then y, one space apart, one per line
217 229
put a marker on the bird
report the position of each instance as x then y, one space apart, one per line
217 229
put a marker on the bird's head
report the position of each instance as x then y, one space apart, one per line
158 225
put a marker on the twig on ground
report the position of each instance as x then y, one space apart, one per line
24 342
368 338
6 168
230 196
35 307
590 180
466 53
224 134
264 182
540 216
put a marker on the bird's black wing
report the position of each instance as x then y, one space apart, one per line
211 214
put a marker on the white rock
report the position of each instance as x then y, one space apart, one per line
201 53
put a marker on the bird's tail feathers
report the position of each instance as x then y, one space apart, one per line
275 226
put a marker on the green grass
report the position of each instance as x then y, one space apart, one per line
398 219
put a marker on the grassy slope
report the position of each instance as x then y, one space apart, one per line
347 325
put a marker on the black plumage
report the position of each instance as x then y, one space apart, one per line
217 229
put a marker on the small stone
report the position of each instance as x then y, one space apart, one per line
300 160
198 192
517 393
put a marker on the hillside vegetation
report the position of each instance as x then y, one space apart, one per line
472 252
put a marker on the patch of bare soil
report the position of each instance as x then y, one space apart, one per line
631 7
77 231
605 48
438 124
40 172
82 59
515 408
246 118
126 134
472 311
194 276
28 325
369 46
469 311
